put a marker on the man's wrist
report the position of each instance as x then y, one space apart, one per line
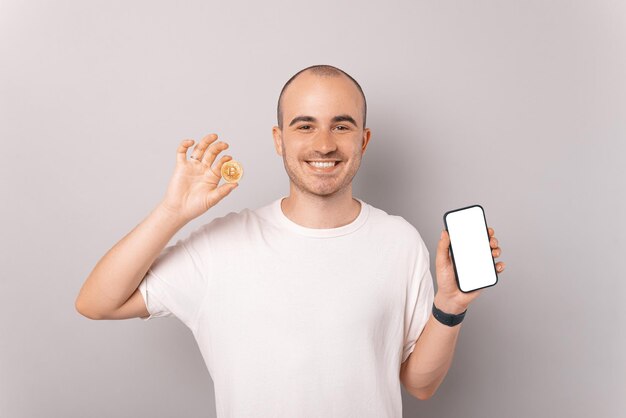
170 216
449 305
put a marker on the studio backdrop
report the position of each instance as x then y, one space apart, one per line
517 106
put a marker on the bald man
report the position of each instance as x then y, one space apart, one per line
316 304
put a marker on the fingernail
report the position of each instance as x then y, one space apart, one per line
442 233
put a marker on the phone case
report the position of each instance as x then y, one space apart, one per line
456 274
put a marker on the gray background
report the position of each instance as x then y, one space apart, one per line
518 106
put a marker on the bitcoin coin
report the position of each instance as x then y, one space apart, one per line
232 171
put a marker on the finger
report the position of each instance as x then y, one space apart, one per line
199 149
493 242
181 152
491 232
500 266
496 252
225 190
212 152
217 169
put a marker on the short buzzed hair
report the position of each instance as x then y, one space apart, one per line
323 71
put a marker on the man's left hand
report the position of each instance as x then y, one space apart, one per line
449 298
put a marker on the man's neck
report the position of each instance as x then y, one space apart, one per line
312 211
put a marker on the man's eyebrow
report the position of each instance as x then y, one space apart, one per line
346 118
302 119
339 118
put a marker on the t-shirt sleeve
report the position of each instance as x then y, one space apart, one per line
419 299
176 282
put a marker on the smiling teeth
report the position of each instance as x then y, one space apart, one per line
321 165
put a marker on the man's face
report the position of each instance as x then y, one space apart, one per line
322 121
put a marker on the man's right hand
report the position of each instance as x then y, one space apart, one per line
193 189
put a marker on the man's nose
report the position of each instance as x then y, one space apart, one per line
324 142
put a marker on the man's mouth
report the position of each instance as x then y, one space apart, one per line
323 166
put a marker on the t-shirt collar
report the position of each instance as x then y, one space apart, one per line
320 232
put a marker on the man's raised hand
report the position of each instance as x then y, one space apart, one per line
193 188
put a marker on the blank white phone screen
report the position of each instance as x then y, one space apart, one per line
471 251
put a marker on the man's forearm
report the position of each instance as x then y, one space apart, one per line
432 355
117 275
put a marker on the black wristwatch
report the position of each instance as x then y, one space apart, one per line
446 318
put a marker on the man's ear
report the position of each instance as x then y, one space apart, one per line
277 133
366 139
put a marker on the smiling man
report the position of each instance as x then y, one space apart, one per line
314 305
322 138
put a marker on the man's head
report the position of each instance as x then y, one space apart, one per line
321 117
321 71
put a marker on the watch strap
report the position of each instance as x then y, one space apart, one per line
446 318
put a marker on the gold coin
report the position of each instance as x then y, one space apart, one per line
232 171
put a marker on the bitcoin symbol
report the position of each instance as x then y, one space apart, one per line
232 171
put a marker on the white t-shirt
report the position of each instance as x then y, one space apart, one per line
294 321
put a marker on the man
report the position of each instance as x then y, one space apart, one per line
315 305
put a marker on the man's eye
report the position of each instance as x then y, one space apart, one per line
343 128
305 126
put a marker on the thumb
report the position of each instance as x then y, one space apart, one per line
225 189
443 256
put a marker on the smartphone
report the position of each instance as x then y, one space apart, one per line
473 261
